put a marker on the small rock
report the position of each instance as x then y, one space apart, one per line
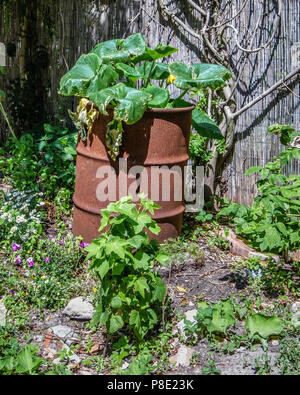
85 373
79 309
295 320
275 343
50 353
295 307
125 366
73 357
183 356
65 333
2 314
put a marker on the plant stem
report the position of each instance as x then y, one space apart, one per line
183 93
7 121
148 79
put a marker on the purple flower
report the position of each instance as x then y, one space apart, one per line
30 261
83 245
15 246
60 243
12 291
47 260
18 260
50 237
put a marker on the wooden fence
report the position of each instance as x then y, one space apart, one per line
66 29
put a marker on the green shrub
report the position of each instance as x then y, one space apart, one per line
131 293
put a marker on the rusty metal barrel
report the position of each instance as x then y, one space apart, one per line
158 143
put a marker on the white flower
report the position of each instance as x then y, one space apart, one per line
13 229
20 218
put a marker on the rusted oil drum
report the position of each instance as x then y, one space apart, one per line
159 143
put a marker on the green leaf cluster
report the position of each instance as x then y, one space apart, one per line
214 318
126 75
272 223
131 293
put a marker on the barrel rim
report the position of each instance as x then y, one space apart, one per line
156 109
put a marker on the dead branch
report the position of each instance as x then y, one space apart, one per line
267 92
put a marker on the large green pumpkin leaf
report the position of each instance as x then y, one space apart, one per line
223 317
205 126
78 79
120 51
161 51
128 71
135 44
200 75
131 103
264 326
157 71
105 77
213 75
160 96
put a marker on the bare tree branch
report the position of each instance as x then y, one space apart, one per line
275 30
232 18
196 7
267 92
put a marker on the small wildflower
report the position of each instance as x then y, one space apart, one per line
47 260
83 245
18 260
15 246
30 262
13 229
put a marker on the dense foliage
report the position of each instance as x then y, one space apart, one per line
272 222
131 292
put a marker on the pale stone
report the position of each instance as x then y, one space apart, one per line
65 333
79 309
183 356
2 314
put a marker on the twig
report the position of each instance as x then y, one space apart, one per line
212 271
232 18
130 22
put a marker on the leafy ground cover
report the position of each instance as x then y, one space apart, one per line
154 304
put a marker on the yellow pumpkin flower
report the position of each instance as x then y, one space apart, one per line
171 79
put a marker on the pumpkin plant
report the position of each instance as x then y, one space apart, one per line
128 76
